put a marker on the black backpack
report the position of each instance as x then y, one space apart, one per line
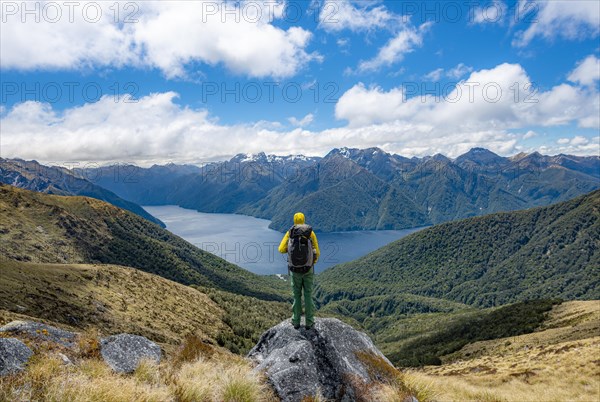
300 249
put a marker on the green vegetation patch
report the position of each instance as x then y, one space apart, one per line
512 320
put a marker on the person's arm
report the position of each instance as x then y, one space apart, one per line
313 238
284 243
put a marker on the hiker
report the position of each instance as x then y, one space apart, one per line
300 243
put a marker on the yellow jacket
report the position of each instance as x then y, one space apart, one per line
299 220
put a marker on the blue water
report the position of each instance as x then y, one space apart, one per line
249 243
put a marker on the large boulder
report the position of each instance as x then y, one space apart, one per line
124 352
14 354
40 331
332 358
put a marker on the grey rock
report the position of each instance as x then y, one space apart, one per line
64 359
124 352
14 354
40 331
298 363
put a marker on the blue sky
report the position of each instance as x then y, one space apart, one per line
156 82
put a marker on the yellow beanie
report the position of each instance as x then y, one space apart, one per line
298 218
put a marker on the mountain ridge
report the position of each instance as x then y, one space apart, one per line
420 191
44 228
484 261
31 175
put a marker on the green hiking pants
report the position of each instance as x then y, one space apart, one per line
303 283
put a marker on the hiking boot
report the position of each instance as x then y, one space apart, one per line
309 327
296 326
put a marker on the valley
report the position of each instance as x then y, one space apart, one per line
483 308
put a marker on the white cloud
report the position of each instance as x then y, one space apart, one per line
168 35
454 73
435 75
492 13
577 145
482 110
158 130
579 140
587 71
405 41
529 134
573 19
305 121
459 71
486 99
339 15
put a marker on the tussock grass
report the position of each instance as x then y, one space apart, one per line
220 381
567 371
47 378
389 383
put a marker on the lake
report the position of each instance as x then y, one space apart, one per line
249 243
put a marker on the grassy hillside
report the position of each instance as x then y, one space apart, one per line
493 260
189 325
101 300
115 299
557 362
425 339
30 175
55 229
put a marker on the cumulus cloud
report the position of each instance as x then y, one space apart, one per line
587 71
405 41
573 19
167 35
576 145
480 111
484 108
487 98
156 129
339 15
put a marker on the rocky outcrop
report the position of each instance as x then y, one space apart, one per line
332 359
124 352
41 332
14 354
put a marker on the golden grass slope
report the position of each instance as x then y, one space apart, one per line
112 299
47 378
560 362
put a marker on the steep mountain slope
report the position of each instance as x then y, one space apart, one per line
30 175
55 229
214 187
550 251
337 194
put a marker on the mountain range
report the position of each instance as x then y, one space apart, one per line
354 189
